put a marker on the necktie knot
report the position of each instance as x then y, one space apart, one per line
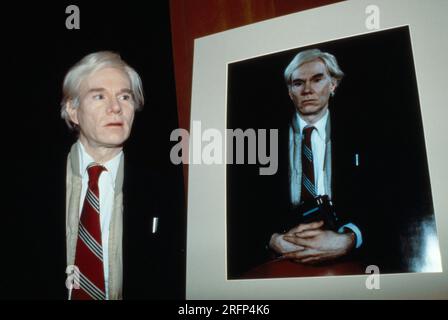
94 170
307 131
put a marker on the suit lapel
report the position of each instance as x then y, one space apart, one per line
295 165
73 194
116 238
328 158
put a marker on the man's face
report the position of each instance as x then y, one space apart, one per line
106 109
311 86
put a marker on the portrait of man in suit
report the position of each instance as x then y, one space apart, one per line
352 187
108 67
312 78
113 228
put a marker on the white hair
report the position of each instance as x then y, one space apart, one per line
88 65
310 55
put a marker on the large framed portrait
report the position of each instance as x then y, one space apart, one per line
387 155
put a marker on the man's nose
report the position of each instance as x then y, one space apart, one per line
306 88
115 106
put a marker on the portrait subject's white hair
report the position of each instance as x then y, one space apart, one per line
310 55
88 65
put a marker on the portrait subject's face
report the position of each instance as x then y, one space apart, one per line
311 86
106 111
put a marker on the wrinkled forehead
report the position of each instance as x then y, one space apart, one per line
108 78
309 69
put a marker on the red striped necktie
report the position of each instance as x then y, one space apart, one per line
308 184
89 249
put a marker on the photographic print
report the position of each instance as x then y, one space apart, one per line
373 170
375 190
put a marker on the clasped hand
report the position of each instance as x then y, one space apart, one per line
309 243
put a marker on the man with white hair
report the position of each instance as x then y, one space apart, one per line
312 78
114 245
352 187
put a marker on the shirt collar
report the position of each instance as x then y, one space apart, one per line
85 159
319 125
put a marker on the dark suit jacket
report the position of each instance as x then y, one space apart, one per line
153 264
384 196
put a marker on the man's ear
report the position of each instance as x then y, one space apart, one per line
72 112
290 94
333 85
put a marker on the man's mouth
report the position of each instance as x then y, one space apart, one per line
114 124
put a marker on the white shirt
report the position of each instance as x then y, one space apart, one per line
318 137
318 145
106 186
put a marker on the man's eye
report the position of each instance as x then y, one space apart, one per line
98 97
297 83
126 97
317 79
